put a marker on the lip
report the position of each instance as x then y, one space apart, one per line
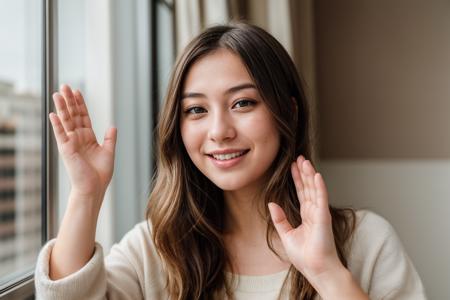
226 151
225 164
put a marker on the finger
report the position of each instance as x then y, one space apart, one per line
310 175
280 222
297 181
299 187
110 139
63 113
58 129
71 104
306 188
321 190
82 108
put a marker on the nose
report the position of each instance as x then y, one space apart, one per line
221 127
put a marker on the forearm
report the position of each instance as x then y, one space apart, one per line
75 241
339 284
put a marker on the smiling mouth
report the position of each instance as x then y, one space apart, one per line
228 156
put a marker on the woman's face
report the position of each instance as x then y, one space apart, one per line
226 127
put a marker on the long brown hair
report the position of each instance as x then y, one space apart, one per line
185 208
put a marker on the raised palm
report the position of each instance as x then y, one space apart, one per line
89 164
310 247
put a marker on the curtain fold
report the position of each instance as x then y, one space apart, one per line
192 16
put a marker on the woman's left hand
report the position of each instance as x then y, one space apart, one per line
310 247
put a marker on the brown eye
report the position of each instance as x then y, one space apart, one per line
244 103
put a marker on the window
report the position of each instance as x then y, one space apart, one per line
103 49
21 136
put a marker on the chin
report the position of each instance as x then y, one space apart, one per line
226 184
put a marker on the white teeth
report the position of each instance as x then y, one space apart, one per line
227 156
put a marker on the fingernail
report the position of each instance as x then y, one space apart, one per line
307 164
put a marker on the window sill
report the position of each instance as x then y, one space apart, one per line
23 290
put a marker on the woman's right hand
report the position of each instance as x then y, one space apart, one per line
89 164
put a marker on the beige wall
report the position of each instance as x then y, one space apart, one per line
383 93
383 71
413 195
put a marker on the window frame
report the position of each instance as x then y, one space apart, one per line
23 287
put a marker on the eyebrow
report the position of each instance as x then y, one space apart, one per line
231 90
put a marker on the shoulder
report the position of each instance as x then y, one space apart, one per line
372 234
369 225
136 248
379 262
139 231
136 256
137 242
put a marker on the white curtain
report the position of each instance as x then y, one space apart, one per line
192 16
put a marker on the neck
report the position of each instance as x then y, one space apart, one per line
244 214
245 236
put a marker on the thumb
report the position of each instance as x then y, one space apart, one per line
279 219
109 142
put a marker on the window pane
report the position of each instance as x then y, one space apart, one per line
20 136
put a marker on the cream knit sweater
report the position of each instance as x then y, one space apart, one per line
133 269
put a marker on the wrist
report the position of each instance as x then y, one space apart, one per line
338 283
82 211
86 201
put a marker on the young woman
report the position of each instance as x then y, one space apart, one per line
237 210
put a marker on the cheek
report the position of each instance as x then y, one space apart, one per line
264 130
191 136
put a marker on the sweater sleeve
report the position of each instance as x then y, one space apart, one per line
380 263
87 283
119 276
